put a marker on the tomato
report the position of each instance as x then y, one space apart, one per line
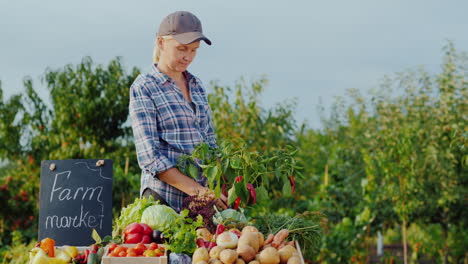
132 252
149 253
153 246
48 245
119 249
159 252
112 246
140 248
112 254
123 254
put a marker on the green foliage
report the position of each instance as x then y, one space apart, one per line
85 120
394 157
389 159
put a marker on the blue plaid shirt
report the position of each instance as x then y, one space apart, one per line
165 127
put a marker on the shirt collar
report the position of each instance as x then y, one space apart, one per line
163 78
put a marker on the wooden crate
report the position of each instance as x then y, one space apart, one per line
134 260
298 248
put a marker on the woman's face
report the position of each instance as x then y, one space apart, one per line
175 55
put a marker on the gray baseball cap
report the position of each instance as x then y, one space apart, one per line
184 27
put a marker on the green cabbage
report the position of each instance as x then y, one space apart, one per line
132 214
230 218
159 217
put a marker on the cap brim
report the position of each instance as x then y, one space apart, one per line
190 37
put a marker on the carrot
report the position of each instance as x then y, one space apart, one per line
283 244
279 237
269 239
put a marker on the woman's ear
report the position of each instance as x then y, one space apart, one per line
160 42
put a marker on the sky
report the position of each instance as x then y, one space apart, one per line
310 51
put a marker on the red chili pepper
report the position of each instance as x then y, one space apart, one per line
239 178
220 229
86 254
253 193
211 245
224 190
94 248
293 183
237 203
200 242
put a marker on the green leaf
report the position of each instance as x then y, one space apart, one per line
232 195
96 236
287 189
225 165
193 171
236 163
211 173
262 194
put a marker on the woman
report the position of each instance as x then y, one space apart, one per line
170 113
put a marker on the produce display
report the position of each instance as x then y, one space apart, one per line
247 246
46 252
138 250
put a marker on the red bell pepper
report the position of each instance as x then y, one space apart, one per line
137 233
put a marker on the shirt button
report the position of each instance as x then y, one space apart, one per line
196 123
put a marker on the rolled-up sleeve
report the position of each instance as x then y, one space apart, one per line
143 114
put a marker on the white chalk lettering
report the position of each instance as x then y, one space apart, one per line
98 198
92 221
52 219
77 191
85 219
65 194
55 183
82 218
80 193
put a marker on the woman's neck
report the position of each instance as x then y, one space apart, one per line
175 75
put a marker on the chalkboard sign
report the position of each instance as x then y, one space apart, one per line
75 198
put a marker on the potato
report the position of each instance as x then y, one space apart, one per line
294 260
266 246
269 256
251 239
201 262
214 252
254 262
200 254
257 257
246 252
285 253
240 261
249 229
261 239
228 256
215 261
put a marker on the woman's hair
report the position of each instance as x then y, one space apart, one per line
156 51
